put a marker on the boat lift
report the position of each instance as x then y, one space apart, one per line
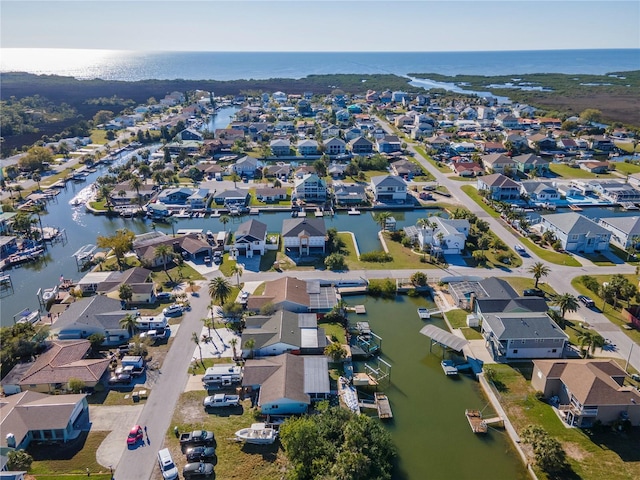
6 285
84 255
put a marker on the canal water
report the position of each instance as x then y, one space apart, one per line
429 427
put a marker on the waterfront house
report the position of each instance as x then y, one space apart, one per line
138 278
352 133
307 147
232 197
361 146
8 245
499 186
625 231
175 196
191 246
539 141
389 144
294 295
123 194
189 134
497 163
539 191
529 162
587 391
310 188
405 168
444 235
98 314
336 170
280 147
511 335
615 191
334 146
36 417
304 235
287 384
576 232
508 121
389 189
246 166
350 194
283 332
250 238
271 194
52 370
601 142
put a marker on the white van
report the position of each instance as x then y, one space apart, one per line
167 467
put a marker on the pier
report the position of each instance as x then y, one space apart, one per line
479 424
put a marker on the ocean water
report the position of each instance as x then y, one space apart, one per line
132 66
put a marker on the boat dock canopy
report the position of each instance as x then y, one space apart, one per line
443 337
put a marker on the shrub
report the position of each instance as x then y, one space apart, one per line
406 242
539 395
376 256
335 261
397 236
590 282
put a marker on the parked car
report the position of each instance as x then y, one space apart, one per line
167 467
197 470
588 302
164 296
533 292
174 310
217 258
200 454
120 379
244 295
221 400
135 435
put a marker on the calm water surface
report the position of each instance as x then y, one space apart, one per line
429 428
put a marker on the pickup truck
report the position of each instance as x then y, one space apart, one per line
131 370
197 438
221 400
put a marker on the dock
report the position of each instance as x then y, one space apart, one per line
427 313
359 309
449 367
254 211
575 208
384 407
477 424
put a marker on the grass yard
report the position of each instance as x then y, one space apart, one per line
99 136
565 171
627 168
627 146
614 315
334 329
592 455
473 193
624 256
458 319
235 460
550 256
522 283
443 168
458 178
69 460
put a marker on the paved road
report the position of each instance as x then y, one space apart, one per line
157 413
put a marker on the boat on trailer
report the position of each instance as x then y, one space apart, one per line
258 434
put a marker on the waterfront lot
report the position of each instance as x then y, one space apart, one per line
593 455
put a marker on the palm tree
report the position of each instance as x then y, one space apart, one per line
381 219
224 219
233 342
129 323
238 271
165 253
335 352
567 303
250 344
589 342
538 270
135 183
219 290
235 178
105 194
36 178
196 340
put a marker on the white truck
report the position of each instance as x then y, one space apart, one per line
221 400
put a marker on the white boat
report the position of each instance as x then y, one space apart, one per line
257 433
49 294
449 367
424 314
349 394
353 211
216 214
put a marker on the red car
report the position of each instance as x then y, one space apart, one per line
135 435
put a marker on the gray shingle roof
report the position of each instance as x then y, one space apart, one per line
292 227
574 224
252 229
526 325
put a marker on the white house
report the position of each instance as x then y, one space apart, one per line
625 231
304 234
445 235
389 189
310 188
250 238
246 166
576 232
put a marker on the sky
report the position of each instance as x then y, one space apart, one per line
320 25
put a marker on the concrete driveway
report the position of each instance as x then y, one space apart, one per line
118 420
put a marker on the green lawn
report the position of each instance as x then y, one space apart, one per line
473 193
522 283
627 168
443 168
334 330
614 315
592 455
627 146
549 256
566 171
99 136
458 178
70 459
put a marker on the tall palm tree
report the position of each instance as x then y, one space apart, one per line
234 342
196 340
589 342
105 193
538 270
135 183
238 271
224 219
36 178
250 344
129 323
219 290
165 253
381 219
567 303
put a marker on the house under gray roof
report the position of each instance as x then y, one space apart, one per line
574 223
525 326
252 229
628 225
100 311
292 227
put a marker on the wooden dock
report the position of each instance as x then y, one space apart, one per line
478 425
384 407
359 309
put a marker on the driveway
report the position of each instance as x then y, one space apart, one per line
118 420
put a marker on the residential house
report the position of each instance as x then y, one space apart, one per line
361 146
438 143
625 231
499 186
529 162
175 196
616 192
304 234
330 131
539 141
406 169
98 314
498 163
540 191
310 188
602 143
492 147
32 416
576 232
398 96
308 147
389 189
232 198
124 194
271 194
191 246
283 332
280 170
294 295
246 166
567 144
336 170
350 195
389 144
138 278
334 146
512 335
250 238
352 133
467 169
594 166
189 134
280 147
287 384
444 235
279 97
52 370
507 121
587 391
